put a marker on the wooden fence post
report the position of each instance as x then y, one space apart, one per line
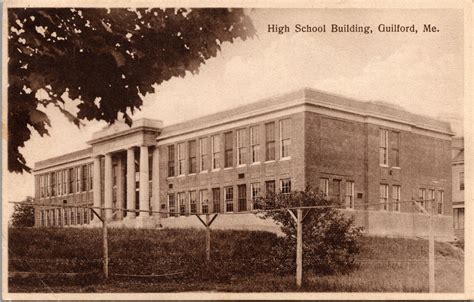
299 247
105 249
431 250
208 238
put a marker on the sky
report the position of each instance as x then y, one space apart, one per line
421 72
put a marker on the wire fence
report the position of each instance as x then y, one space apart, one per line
295 212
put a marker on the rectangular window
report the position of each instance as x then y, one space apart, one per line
84 178
193 202
71 181
182 203
171 204
203 200
47 184
47 217
336 189
396 197
285 186
254 144
216 151
53 184
192 157
73 217
229 199
78 179
349 194
285 138
422 197
91 175
383 147
270 141
216 200
440 202
384 197
60 217
241 147
395 146
65 182
270 187
431 197
228 148
324 186
181 157
53 217
41 218
204 152
59 179
255 190
150 167
242 197
64 172
171 161
78 216
41 189
65 215
458 219
461 181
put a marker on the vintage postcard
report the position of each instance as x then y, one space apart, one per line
239 150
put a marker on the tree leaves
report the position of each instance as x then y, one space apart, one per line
107 59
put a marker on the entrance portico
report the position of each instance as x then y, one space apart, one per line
121 157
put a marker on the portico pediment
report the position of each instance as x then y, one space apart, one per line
120 136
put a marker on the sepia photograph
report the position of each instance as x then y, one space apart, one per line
209 152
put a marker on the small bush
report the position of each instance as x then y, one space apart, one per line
330 240
23 214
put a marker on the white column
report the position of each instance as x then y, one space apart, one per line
131 182
144 182
96 186
156 181
108 185
120 188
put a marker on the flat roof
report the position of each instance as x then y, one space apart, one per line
65 158
317 97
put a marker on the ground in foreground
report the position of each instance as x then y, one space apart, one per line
241 263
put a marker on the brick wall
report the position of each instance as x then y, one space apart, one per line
349 150
252 173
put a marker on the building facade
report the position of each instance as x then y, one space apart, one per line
356 152
458 186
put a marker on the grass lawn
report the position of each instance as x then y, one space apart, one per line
241 262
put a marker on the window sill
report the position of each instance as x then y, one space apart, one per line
255 163
170 177
180 176
396 168
269 161
215 170
242 166
192 174
385 166
204 172
285 158
229 168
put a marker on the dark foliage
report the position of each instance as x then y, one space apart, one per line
330 240
23 214
105 59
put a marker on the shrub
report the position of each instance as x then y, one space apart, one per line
24 214
330 240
